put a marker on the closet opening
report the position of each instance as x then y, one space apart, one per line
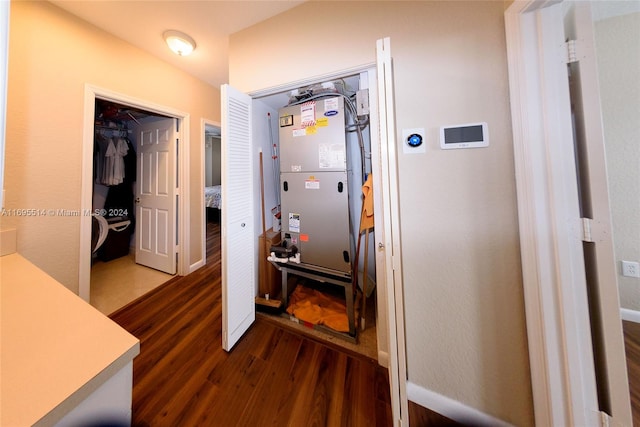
133 204
298 222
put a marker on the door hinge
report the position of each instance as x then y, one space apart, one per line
571 51
395 263
586 230
605 419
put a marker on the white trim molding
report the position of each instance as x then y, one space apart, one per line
452 409
203 124
563 359
392 266
560 352
630 315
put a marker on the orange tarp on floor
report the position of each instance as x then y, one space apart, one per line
318 308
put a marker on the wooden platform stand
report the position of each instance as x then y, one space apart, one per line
322 275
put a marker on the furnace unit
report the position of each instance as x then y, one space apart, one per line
313 184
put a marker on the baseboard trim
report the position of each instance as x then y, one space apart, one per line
450 408
630 315
193 267
383 359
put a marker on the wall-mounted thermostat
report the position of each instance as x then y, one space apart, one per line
413 141
472 135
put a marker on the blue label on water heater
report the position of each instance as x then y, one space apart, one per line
330 113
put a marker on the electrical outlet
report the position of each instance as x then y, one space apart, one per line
630 269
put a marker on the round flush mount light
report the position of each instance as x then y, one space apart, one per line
180 43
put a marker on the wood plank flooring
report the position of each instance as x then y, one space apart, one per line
632 349
273 377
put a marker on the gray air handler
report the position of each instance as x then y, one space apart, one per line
313 184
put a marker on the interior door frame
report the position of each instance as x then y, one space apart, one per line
556 308
203 125
376 147
91 93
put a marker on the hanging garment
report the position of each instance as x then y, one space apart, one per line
99 150
366 218
109 161
114 167
114 161
118 165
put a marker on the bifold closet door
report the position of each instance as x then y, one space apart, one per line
238 236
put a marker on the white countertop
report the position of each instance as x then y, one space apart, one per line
55 349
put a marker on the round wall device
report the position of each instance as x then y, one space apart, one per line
414 140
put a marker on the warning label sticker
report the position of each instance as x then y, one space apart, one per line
331 156
312 184
308 114
331 104
294 222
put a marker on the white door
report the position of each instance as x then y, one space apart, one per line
391 234
155 233
599 260
237 217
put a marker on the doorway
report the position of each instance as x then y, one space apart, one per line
389 303
121 269
265 127
212 171
177 171
305 289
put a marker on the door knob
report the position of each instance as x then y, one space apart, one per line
137 199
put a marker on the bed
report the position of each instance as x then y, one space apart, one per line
212 198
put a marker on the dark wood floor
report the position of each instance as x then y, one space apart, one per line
632 349
273 377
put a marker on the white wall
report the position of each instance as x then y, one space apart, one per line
466 336
52 55
618 53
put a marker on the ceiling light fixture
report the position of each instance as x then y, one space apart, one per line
180 43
